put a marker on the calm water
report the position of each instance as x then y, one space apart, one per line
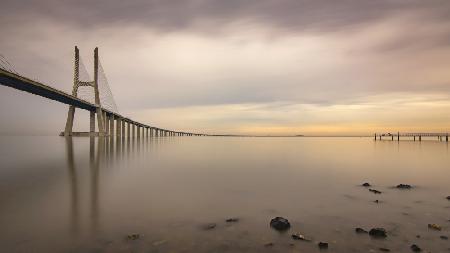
87 195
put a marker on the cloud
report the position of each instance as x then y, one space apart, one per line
167 55
176 15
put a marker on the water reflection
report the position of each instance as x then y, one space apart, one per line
103 153
166 189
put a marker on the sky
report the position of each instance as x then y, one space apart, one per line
275 67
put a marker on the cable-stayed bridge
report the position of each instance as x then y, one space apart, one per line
93 95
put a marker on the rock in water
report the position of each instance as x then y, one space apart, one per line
415 248
378 232
360 231
280 223
133 236
404 186
435 227
269 244
232 220
443 237
366 185
448 197
323 245
300 237
384 249
375 191
209 226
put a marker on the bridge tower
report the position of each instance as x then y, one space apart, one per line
94 84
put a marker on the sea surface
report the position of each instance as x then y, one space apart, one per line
174 194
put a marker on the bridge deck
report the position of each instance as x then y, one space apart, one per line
18 82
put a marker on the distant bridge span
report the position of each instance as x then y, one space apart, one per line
109 123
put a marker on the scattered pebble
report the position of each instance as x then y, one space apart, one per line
300 237
378 232
443 237
280 223
269 244
404 186
415 248
360 231
375 191
323 245
209 226
133 236
157 243
384 249
232 220
366 185
434 227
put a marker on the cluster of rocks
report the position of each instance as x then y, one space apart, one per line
282 224
381 232
374 232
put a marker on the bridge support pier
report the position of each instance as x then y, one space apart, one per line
138 132
123 128
111 125
118 128
106 122
91 123
420 137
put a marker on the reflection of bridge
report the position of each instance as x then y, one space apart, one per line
439 136
109 121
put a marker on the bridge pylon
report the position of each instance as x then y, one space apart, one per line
94 84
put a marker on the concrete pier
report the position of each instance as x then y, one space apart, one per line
118 127
111 125
92 123
414 136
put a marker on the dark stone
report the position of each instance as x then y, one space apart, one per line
378 232
404 186
418 236
300 237
384 249
377 201
133 236
375 191
209 226
415 248
443 237
269 244
323 245
366 185
232 220
280 223
448 197
360 231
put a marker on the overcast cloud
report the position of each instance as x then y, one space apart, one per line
266 66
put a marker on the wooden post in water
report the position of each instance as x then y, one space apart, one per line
420 137
398 136
375 136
